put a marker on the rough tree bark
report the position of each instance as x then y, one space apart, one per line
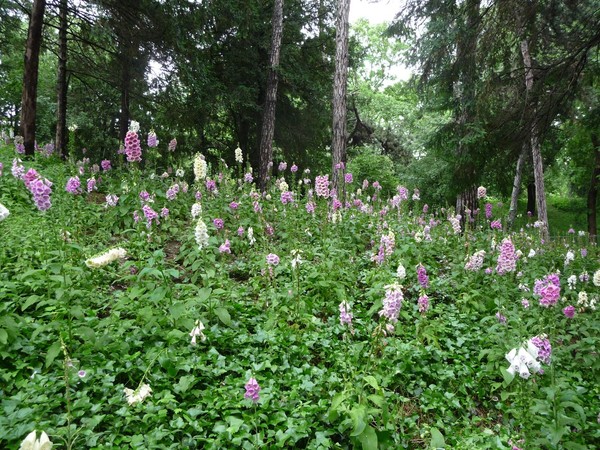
592 196
30 76
514 198
338 144
268 122
538 166
61 85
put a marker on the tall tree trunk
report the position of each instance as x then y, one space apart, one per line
592 196
61 98
466 204
30 76
538 166
268 122
531 198
338 145
514 198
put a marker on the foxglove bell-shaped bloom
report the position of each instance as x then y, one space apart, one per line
106 258
252 390
4 212
138 395
32 443
197 331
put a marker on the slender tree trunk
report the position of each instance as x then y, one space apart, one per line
538 167
593 190
61 98
30 76
338 145
514 198
268 122
531 198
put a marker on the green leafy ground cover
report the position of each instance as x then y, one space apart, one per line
439 379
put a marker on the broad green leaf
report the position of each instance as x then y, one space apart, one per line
358 415
437 439
3 336
203 294
368 438
371 381
53 352
177 310
223 316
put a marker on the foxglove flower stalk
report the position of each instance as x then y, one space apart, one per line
134 126
282 166
475 262
392 302
133 150
150 215
172 145
252 390
105 164
548 290
272 259
423 303
322 186
596 278
401 272
488 210
17 169
544 349
196 210
218 223
172 192
296 259
239 158
294 168
106 258
200 168
31 442
345 314
455 222
251 238
507 260
197 331
41 190
569 311
248 178
225 247
111 200
287 197
481 192
91 185
4 212
422 276
201 234
152 141
30 177
522 361
570 256
139 395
